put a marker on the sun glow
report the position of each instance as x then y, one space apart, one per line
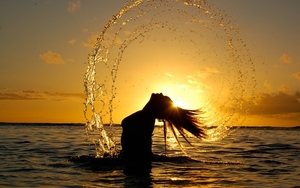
179 102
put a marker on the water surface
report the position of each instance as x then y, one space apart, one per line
37 156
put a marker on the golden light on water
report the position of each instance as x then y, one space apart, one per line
171 142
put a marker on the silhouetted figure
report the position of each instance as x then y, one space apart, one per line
136 139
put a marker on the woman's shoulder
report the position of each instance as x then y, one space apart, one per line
132 117
136 117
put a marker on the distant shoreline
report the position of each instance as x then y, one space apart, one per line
46 124
82 124
49 124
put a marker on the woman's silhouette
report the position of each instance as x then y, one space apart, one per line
136 139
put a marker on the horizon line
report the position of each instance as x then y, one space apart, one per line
118 124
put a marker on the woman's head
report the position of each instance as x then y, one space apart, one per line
162 107
159 105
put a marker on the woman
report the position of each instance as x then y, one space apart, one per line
136 139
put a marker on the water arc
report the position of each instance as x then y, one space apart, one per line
189 46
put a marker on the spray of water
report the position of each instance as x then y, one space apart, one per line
188 39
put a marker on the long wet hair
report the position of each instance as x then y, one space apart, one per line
175 118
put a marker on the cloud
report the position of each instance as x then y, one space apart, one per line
275 104
190 81
284 89
197 79
73 6
12 94
72 41
204 73
71 60
107 41
267 85
52 58
169 74
296 75
285 58
91 41
212 70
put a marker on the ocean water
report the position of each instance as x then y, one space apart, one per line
38 156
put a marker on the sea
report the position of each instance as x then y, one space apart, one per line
38 155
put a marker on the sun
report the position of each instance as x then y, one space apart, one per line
179 102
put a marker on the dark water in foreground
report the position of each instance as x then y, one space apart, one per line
37 156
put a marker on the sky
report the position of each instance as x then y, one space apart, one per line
44 47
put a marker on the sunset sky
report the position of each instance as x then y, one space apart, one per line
44 47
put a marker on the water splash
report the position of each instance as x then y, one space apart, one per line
191 42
